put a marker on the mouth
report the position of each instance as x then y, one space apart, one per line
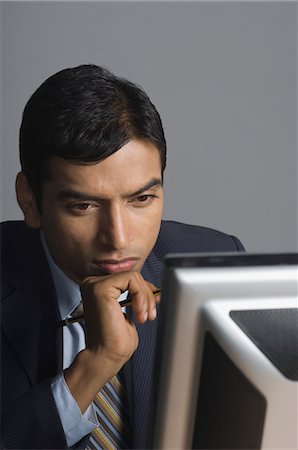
116 265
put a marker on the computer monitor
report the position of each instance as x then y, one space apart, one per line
226 370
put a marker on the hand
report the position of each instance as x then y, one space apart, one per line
109 331
111 336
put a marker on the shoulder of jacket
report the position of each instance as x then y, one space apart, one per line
21 252
174 227
175 237
15 232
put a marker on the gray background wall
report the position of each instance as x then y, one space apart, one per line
224 78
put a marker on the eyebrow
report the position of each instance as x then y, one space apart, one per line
68 193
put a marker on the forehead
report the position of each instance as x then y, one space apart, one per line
125 170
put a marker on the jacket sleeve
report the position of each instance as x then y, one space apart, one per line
31 421
29 415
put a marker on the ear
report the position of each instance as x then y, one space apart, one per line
27 201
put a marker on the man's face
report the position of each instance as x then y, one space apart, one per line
105 217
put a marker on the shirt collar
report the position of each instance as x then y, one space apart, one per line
67 291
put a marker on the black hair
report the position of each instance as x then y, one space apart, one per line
84 114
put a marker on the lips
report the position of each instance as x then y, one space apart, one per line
116 266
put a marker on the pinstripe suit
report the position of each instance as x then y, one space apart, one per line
32 345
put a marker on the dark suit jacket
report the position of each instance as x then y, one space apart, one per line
32 345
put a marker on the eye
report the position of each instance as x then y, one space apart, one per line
81 206
143 200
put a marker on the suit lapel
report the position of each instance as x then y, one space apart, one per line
28 310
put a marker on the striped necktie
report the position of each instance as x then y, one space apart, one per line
111 408
109 404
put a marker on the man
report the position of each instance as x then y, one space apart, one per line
93 152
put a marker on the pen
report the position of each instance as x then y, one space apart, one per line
79 318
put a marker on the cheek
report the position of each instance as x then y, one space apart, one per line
149 230
66 228
70 250
67 240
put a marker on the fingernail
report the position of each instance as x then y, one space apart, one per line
146 315
154 313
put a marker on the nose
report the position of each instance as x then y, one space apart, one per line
116 229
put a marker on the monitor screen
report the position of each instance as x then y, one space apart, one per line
226 369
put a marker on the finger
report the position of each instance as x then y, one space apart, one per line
138 292
153 300
132 330
144 306
107 287
138 296
93 279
